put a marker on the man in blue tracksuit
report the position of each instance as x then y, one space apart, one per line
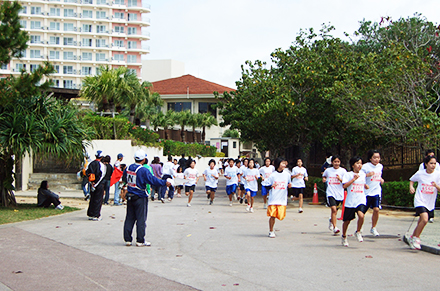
137 177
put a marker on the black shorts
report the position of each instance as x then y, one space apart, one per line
331 201
241 187
422 209
179 187
373 201
350 213
190 188
297 191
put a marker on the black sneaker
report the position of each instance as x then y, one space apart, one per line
152 197
207 196
245 201
87 197
210 202
241 200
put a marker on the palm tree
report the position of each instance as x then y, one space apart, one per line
183 118
195 121
207 121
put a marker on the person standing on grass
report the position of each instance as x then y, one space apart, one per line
193 177
332 176
299 176
428 185
355 203
211 176
231 175
265 172
373 171
279 181
251 177
96 172
137 177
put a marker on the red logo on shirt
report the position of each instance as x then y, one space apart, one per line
357 188
280 185
334 181
427 189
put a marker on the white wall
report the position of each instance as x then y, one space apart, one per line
156 70
27 167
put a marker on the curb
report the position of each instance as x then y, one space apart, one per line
425 248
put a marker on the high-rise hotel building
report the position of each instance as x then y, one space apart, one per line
78 36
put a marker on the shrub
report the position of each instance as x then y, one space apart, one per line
177 148
397 193
143 134
105 127
220 154
319 184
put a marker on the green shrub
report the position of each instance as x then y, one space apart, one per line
319 184
177 148
220 154
397 193
105 127
143 134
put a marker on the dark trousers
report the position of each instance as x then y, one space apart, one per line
163 189
96 201
106 184
136 212
49 200
85 185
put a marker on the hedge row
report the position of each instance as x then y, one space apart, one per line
177 148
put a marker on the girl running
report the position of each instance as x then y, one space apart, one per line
240 181
231 175
279 181
355 203
373 170
265 172
211 180
428 185
299 176
335 192
251 177
179 175
193 177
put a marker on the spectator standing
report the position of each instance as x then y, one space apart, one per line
117 172
108 174
167 173
182 162
157 171
96 172
85 185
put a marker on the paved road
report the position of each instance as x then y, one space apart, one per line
211 248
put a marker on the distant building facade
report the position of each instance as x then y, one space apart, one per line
156 70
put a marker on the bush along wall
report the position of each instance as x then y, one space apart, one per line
177 148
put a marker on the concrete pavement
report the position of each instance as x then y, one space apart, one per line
214 248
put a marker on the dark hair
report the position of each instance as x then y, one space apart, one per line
175 160
354 160
246 159
170 158
267 159
190 161
123 166
211 161
106 159
231 159
296 162
146 161
277 162
183 155
429 151
328 154
370 153
427 159
179 169
336 157
237 161
43 185
251 160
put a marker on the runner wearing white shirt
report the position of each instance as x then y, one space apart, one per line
231 175
335 192
193 177
428 185
211 180
279 181
179 174
299 176
355 203
265 172
373 171
437 168
241 180
251 184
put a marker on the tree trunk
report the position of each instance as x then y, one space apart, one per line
6 180
132 111
203 134
182 132
194 134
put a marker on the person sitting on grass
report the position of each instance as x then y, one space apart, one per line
46 197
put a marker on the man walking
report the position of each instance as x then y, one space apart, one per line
137 177
96 172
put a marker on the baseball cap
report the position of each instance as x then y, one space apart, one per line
99 154
139 155
120 156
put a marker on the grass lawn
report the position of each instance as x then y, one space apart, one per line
23 212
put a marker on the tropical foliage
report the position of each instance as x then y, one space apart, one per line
176 148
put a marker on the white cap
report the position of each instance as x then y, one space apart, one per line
139 155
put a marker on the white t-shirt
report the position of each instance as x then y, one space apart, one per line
241 172
191 174
251 177
231 172
355 193
266 172
167 169
211 181
278 192
180 176
298 182
374 181
334 186
426 193
422 167
175 167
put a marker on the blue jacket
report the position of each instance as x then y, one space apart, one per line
137 177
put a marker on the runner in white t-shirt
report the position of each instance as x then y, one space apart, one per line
299 176
231 175
279 181
193 177
373 170
265 172
179 174
251 176
211 175
355 202
335 192
428 185
437 168
241 182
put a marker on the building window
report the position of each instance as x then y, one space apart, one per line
132 16
132 3
54 40
69 27
69 13
87 42
54 12
54 55
100 43
23 23
68 70
4 67
119 15
34 67
86 56
131 30
119 43
68 56
100 28
132 71
234 144
35 24
87 28
118 57
86 71
100 14
23 10
35 54
100 57
87 14
101 2
205 107
54 26
88 1
131 59
119 2
55 83
179 106
68 41
35 39
68 84
57 68
132 44
35 10
20 67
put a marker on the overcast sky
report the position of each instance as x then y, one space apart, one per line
215 37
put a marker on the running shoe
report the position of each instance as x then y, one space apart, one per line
265 206
416 243
179 196
344 241
241 200
169 199
330 224
300 210
162 200
152 197
245 201
188 205
210 202
251 210
374 231
128 243
248 207
59 207
230 204
336 231
144 244
359 237
431 220
97 218
272 234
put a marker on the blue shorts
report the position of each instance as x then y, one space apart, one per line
241 187
373 201
265 190
210 189
230 189
253 193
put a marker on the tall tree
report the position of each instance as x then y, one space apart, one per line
12 38
183 118
206 122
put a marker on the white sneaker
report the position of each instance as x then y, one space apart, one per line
272 234
128 243
265 206
230 204
248 207
374 231
59 207
145 244
330 224
359 237
188 205
344 241
251 210
336 231
169 199
97 218
431 220
300 210
414 243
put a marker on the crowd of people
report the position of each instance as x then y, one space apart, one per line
359 189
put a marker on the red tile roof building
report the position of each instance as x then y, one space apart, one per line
188 84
